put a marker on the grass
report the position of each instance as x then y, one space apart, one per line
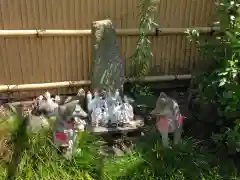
191 160
149 160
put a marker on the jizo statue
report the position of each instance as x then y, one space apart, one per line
168 119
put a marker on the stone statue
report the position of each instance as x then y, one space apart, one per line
168 118
80 97
69 121
109 110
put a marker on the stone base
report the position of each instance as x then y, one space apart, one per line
137 124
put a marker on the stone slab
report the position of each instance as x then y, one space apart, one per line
108 66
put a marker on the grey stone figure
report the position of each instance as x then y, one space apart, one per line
70 120
168 119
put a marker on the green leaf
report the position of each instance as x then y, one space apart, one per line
222 82
234 75
231 36
223 73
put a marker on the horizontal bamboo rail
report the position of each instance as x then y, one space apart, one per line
65 84
153 79
39 86
122 32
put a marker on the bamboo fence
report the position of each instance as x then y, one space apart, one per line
49 41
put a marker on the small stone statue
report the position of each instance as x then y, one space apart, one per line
80 97
168 118
44 105
108 109
70 120
57 99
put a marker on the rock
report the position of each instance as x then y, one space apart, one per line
108 66
36 123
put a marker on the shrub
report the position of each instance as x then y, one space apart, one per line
219 86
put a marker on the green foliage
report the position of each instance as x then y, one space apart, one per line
148 160
220 86
141 90
33 155
141 59
40 160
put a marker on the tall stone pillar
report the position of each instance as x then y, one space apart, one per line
108 66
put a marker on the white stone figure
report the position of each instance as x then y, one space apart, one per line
45 105
128 109
40 97
120 112
118 97
51 101
109 109
57 99
47 95
96 117
105 111
95 109
111 103
89 99
168 119
81 92
80 124
124 113
117 94
117 114
96 94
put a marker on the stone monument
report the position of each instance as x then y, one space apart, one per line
108 66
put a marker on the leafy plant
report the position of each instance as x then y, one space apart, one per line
220 86
148 160
141 90
141 59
